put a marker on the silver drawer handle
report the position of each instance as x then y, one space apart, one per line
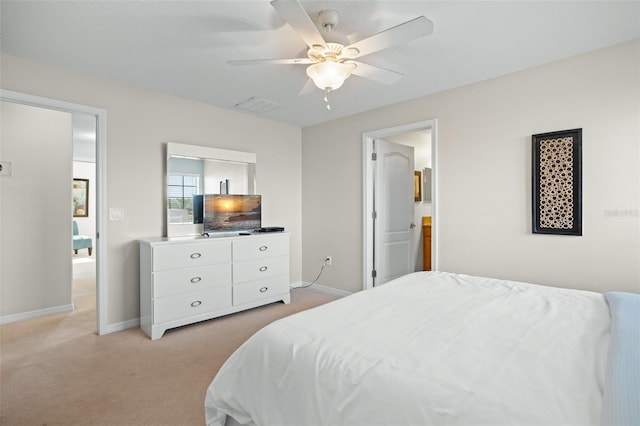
263 248
196 279
196 304
195 255
263 268
263 289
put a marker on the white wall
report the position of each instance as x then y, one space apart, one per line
35 210
84 128
484 176
139 123
484 171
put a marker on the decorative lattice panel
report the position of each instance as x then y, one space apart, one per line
556 183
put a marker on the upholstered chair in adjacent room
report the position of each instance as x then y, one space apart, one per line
81 241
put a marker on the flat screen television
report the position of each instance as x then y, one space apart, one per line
198 208
229 213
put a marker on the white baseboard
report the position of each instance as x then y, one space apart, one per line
324 288
111 328
35 314
124 325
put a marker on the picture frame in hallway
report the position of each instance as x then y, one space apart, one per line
417 185
557 182
80 197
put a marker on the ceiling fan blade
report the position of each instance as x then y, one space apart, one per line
295 15
410 30
308 87
296 61
378 74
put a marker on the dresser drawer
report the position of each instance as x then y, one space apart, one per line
261 289
176 281
260 247
191 254
258 269
189 304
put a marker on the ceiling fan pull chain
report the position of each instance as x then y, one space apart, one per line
326 97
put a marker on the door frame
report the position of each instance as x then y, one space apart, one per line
101 186
367 193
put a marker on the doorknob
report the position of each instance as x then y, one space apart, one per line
413 225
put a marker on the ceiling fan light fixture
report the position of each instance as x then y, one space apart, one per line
330 75
351 52
330 57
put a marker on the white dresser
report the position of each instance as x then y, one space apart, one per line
187 280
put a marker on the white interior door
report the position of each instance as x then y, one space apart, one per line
35 212
394 210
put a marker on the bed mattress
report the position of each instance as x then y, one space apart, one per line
429 348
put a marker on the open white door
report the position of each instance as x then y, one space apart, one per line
393 211
35 208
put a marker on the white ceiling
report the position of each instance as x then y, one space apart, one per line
182 47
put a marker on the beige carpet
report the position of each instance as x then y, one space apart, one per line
55 370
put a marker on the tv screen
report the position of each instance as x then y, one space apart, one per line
232 212
198 208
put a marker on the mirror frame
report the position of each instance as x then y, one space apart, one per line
205 153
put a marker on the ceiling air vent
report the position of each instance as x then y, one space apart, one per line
257 105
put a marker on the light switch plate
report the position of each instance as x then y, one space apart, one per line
116 213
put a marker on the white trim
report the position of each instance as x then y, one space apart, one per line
435 235
367 198
101 223
326 289
35 314
298 284
124 325
197 151
332 290
101 186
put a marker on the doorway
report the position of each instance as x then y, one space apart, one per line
83 287
371 262
99 246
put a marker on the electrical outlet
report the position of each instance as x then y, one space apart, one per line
327 260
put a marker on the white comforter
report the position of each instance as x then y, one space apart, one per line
426 349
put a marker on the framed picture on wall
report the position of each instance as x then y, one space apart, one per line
557 182
417 185
80 197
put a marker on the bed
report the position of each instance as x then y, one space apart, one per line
435 348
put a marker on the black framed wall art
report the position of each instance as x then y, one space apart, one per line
80 197
557 182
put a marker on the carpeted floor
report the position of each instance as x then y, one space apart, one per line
55 370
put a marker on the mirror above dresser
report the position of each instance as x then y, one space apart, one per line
192 171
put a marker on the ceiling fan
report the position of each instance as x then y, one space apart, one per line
331 58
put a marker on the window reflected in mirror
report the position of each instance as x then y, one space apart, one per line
182 193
